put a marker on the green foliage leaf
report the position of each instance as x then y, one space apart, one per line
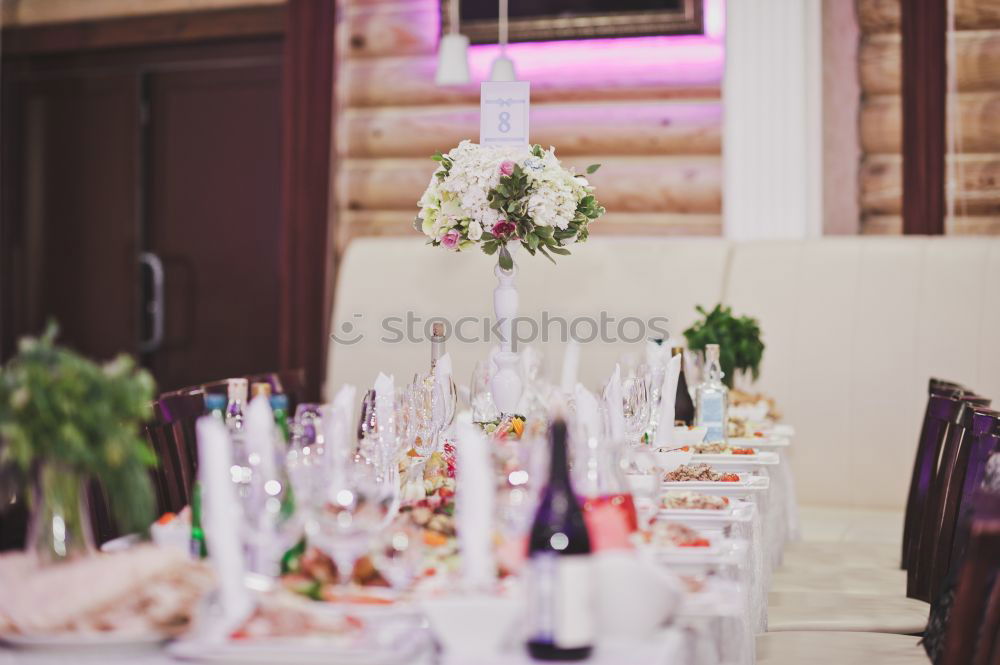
740 345
505 260
593 168
59 408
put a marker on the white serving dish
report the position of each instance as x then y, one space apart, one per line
738 462
747 485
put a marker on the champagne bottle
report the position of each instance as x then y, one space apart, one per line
561 579
683 404
712 402
259 388
437 344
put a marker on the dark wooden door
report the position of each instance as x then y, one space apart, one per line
72 222
214 169
172 152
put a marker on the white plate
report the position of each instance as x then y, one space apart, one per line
110 641
761 442
738 462
746 485
667 513
294 651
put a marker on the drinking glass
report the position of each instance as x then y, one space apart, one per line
429 413
367 426
635 399
355 505
643 481
398 551
484 410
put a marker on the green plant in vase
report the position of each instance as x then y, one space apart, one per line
65 420
738 337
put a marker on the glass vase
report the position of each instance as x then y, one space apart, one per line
59 526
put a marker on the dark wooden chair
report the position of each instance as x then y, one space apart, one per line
985 440
941 410
973 630
972 450
941 507
173 433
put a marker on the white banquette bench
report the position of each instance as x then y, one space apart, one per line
854 327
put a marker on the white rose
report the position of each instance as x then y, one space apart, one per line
475 231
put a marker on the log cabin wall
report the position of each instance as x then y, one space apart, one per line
34 12
648 109
974 173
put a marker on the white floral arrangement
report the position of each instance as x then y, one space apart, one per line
491 196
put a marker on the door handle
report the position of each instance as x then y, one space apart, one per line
154 306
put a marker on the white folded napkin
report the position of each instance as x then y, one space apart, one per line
656 354
260 433
221 510
588 413
338 432
613 400
570 366
665 423
443 371
635 596
474 505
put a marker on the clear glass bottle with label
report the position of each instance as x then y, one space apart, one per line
712 398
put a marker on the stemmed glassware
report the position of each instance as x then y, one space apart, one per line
484 410
429 414
355 506
636 407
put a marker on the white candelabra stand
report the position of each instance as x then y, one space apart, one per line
506 385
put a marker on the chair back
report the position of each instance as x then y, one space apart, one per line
985 440
941 410
174 438
924 545
972 633
954 480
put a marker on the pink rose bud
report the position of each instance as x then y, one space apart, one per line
506 167
450 239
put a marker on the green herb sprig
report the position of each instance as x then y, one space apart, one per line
740 346
61 408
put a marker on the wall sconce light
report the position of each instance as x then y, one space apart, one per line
453 52
503 67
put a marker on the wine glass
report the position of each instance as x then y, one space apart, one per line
367 426
643 482
398 551
429 413
354 506
484 410
635 398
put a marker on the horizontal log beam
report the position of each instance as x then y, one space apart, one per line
977 55
881 118
883 15
977 191
624 184
645 128
388 30
960 225
409 81
398 222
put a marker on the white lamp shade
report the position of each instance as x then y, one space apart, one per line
453 60
503 69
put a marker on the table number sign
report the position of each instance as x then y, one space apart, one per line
503 112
